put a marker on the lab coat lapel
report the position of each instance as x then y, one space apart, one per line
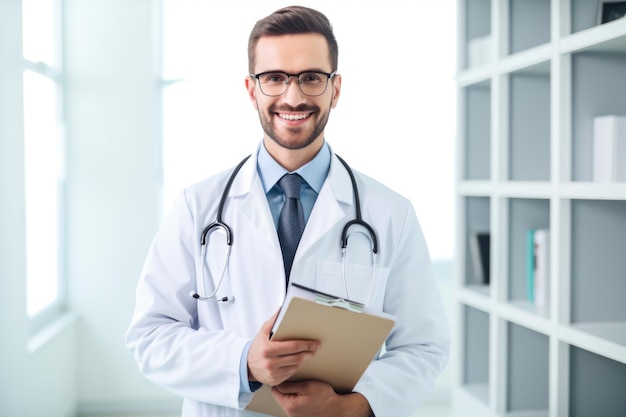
328 210
254 206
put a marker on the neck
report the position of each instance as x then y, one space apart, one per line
292 159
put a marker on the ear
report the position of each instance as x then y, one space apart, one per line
251 87
336 84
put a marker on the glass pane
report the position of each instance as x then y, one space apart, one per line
38 19
41 154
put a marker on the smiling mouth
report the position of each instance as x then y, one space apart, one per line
294 117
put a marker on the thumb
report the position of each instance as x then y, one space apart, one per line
266 329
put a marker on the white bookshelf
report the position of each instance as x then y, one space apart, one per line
525 162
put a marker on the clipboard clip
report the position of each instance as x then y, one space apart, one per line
338 302
328 299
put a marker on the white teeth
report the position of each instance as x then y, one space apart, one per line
293 116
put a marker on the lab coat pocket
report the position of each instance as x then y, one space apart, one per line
363 283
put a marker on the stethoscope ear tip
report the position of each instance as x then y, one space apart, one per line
195 295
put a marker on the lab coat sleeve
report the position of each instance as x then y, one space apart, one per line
169 348
417 348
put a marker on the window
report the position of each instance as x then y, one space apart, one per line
209 123
44 156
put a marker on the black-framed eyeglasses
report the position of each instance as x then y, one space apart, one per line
311 83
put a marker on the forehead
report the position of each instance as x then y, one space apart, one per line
292 53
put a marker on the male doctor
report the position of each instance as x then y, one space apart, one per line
202 322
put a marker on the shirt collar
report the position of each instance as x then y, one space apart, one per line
314 172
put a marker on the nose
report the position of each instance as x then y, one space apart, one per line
293 94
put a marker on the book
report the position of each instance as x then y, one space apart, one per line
609 148
351 336
530 265
480 247
538 266
542 267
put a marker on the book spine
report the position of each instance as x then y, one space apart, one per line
542 267
480 244
530 265
620 148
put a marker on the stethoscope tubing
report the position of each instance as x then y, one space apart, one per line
220 224
217 225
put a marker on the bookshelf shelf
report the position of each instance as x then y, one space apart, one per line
593 191
482 290
526 314
475 77
525 142
473 397
607 339
610 37
533 61
535 413
612 332
476 296
525 189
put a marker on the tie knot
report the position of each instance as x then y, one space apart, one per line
290 183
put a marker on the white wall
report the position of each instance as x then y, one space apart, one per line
112 109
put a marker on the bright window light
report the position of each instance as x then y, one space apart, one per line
38 31
41 155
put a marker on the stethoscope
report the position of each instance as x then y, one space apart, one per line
219 224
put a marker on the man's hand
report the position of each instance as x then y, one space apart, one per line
271 362
314 398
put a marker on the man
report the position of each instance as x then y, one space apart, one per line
202 321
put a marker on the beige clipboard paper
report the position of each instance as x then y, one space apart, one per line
350 339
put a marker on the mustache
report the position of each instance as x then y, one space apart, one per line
299 108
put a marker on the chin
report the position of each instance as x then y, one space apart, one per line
293 143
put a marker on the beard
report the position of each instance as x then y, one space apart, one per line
294 138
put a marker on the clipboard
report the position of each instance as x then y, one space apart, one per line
349 333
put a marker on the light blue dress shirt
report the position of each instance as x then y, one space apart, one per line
314 174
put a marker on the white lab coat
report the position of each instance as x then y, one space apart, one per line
193 348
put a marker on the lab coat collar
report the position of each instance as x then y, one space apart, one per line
313 172
334 203
338 178
340 181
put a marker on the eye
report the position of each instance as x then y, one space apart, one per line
311 78
273 78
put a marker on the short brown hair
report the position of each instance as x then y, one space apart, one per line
290 21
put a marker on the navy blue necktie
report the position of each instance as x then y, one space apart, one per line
291 220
